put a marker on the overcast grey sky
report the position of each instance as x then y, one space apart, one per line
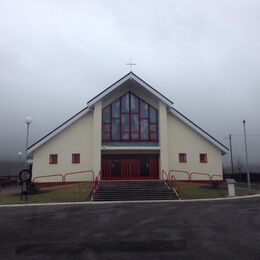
56 55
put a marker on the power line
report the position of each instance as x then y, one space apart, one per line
243 135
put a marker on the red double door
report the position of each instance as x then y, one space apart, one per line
130 167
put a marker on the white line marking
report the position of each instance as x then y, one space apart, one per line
127 202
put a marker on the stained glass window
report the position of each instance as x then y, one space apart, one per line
125 103
134 104
125 122
144 129
143 109
153 115
115 129
115 108
129 118
134 123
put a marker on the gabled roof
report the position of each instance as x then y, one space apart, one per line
130 76
200 131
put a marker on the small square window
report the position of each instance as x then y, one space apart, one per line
203 158
75 158
182 157
53 159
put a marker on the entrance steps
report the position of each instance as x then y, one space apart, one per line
134 190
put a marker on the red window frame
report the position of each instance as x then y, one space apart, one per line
182 157
203 158
130 113
75 158
53 159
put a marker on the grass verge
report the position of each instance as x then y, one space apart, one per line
206 191
68 193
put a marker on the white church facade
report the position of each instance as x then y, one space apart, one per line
129 131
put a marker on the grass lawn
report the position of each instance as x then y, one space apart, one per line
68 193
204 191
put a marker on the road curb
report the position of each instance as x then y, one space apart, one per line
128 202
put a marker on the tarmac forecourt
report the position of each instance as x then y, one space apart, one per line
195 229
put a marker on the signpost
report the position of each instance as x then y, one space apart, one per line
25 176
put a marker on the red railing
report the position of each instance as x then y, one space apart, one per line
48 176
72 173
189 175
95 186
165 174
177 190
200 173
63 176
170 171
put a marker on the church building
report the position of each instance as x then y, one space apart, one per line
130 131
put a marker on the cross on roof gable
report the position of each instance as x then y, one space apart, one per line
130 76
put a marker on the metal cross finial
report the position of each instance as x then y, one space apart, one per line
130 64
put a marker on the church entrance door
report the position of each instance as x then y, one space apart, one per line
130 167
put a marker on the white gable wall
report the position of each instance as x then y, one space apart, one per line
77 138
183 139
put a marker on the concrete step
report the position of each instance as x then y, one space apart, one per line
133 190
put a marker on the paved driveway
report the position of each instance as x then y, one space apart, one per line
227 229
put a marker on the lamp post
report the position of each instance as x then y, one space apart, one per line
20 156
28 121
247 167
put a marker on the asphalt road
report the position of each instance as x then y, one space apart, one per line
227 229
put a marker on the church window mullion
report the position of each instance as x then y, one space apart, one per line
130 119
120 120
139 109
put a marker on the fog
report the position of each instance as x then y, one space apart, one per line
57 55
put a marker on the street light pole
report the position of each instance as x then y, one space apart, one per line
28 121
247 166
231 152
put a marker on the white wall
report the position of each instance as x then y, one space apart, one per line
77 138
183 139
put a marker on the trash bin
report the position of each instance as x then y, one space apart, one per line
231 187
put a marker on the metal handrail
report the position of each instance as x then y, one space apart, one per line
87 171
172 179
199 173
51 175
179 171
178 192
164 173
95 186
63 176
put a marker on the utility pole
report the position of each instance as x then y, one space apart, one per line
247 166
231 153
28 121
